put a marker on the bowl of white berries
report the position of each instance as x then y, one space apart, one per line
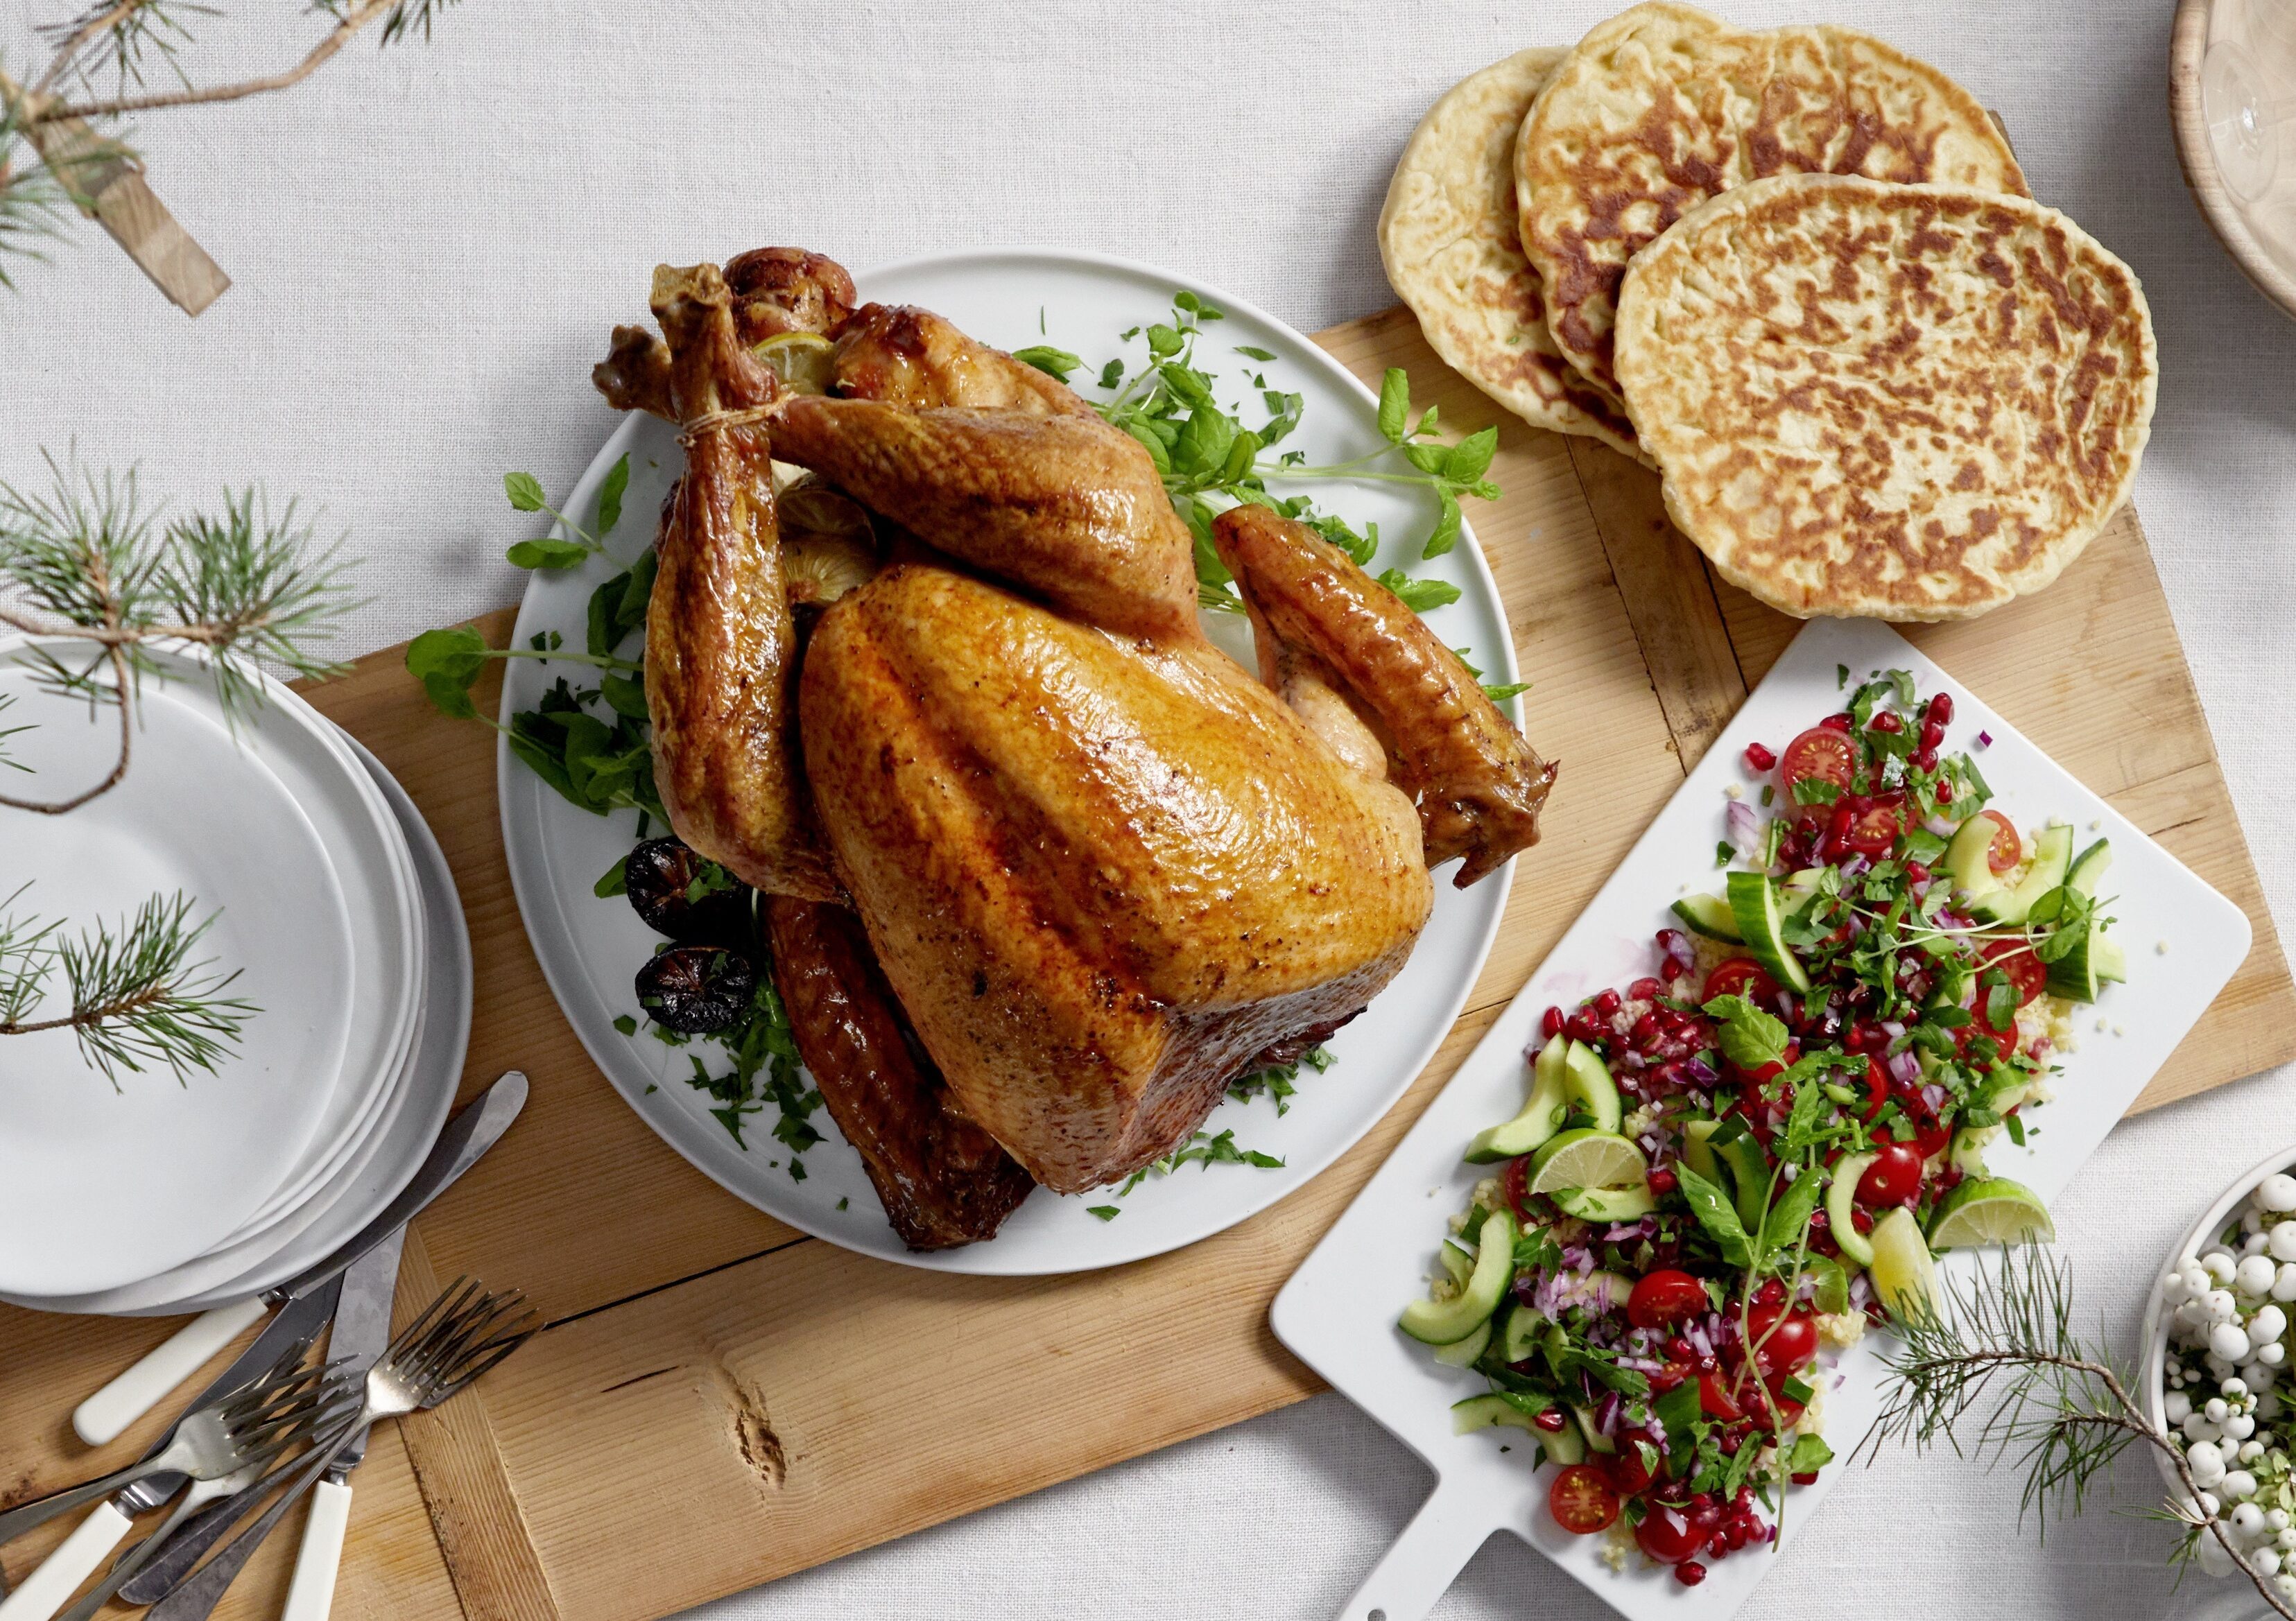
2216 1337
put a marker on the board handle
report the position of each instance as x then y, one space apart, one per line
1419 1569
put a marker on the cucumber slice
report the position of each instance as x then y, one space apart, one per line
1597 1441
1797 889
2089 867
1697 1153
1462 1353
1710 915
1841 1207
1442 1322
1519 1338
1965 858
1967 1154
1588 1084
1565 1447
1754 903
1749 1179
1542 1114
1606 1204
2052 856
1458 1261
1494 1411
2095 960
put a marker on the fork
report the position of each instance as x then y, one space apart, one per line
229 1441
454 1340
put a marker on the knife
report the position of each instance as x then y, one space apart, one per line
467 1134
362 1331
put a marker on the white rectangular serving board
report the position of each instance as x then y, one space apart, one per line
1337 1314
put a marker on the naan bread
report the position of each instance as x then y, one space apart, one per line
1892 402
1453 253
1662 107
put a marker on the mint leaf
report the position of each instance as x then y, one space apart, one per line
1445 532
1249 353
1788 1218
1107 1213
549 553
611 882
1715 1214
524 490
1810 1454
1394 406
1499 691
610 496
1053 362
1750 1038
1471 456
1419 595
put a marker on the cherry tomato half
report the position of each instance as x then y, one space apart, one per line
2006 849
1894 1177
1874 830
1582 1501
1821 754
1664 1297
1625 1470
1931 1137
1715 1400
1670 1534
2020 967
1785 1342
1741 976
1787 1411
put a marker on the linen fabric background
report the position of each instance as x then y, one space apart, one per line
429 244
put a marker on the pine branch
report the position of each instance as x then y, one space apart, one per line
349 21
2063 1404
137 998
90 562
116 34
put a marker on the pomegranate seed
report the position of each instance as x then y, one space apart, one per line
1861 1221
1718 1546
1759 757
1607 1003
1932 734
1916 873
1663 1182
1690 1573
1941 710
1701 1502
1887 722
1771 1293
1807 1478
1582 1028
1838 723
1552 1421
1645 989
1550 1024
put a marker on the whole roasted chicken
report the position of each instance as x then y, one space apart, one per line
1046 870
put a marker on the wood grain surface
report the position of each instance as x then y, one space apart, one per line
719 1401
2270 269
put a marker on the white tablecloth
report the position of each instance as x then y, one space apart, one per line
429 247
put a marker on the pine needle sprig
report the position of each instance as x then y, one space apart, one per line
88 561
114 38
138 997
34 206
2001 1355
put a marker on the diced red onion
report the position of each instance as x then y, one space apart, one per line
1892 1029
1745 829
1905 1069
1933 1095
1985 740
1606 1416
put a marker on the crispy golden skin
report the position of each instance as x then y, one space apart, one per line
1101 874
721 643
942 1179
1314 615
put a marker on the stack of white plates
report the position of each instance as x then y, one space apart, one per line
333 905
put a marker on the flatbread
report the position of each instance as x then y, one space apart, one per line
1453 253
1895 402
1662 107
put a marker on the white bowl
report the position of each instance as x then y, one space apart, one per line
2154 1375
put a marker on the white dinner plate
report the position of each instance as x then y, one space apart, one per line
590 948
420 1097
1336 1315
103 1184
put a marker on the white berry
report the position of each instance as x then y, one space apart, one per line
2240 1484
2218 1265
2250 1450
2277 1192
2206 1462
2229 1340
2220 1305
2215 1409
2265 1561
2177 1405
2240 1427
2281 1240
2247 1519
2255 1274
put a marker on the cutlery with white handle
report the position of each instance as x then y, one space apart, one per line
470 1134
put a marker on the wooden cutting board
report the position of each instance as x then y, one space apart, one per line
719 1401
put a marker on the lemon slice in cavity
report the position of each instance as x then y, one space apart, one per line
804 361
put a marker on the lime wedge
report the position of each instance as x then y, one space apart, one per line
1990 1210
1903 1272
805 361
1587 1159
